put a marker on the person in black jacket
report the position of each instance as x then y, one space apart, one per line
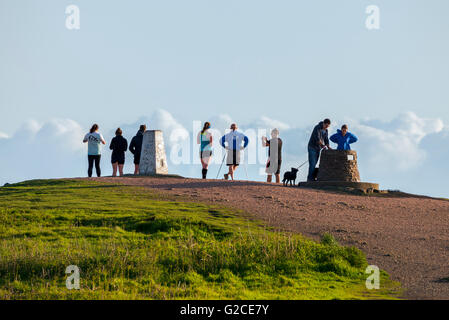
118 146
319 139
136 147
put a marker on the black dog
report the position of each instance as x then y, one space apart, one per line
290 176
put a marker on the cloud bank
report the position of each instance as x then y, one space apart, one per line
408 153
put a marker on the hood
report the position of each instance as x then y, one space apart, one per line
321 124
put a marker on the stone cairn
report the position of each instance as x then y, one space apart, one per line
338 170
338 165
153 159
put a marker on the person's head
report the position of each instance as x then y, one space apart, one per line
118 132
234 127
275 133
206 126
326 123
94 128
344 129
143 128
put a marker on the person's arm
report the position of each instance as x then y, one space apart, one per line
353 138
112 145
85 138
326 139
222 142
198 138
210 141
132 146
318 135
265 142
125 145
245 142
102 139
334 138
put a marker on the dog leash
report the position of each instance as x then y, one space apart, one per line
302 164
308 160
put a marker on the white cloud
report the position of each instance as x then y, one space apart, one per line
51 149
174 132
3 135
394 145
266 122
221 122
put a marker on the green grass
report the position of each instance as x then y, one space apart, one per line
130 244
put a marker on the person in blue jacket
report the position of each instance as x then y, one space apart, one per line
343 138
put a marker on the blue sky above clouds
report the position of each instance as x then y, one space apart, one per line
282 63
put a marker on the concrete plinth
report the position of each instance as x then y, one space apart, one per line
153 159
338 170
340 184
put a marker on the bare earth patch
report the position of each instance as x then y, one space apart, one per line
407 236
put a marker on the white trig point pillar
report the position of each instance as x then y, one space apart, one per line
153 159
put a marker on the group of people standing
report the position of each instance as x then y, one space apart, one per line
118 145
233 142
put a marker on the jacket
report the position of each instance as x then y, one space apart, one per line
319 134
136 144
343 141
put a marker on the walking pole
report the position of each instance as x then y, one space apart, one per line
246 171
221 165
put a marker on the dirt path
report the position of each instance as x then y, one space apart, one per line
406 236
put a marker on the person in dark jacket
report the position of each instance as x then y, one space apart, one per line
343 138
118 146
319 139
136 147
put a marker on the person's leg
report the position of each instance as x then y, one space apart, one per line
278 171
233 168
203 168
90 159
268 177
313 159
114 169
205 163
136 169
120 169
278 178
97 165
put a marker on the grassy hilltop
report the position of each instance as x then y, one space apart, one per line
130 243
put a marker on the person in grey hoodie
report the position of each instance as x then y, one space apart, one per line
319 139
135 147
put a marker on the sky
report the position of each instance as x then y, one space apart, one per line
263 64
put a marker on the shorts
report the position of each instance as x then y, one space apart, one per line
205 154
120 158
137 159
273 170
233 158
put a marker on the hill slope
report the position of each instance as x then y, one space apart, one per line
406 235
134 243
